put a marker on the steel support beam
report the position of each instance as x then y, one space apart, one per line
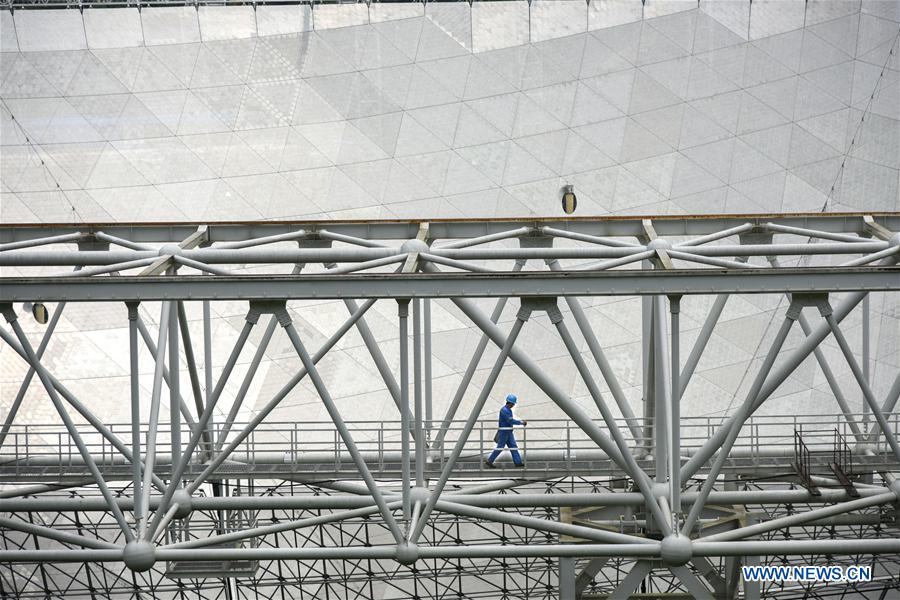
451 285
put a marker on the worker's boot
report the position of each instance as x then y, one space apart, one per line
489 464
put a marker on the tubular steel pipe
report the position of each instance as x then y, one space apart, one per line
593 239
802 518
181 463
175 389
403 316
281 527
429 409
151 346
374 351
632 468
584 326
26 381
743 412
538 376
281 395
860 379
833 384
523 500
516 520
101 270
471 367
80 408
135 381
776 378
712 237
193 373
766 548
674 416
824 235
341 427
55 239
150 455
470 422
485 239
55 534
417 393
261 241
67 420
121 241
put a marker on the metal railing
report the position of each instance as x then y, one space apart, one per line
317 446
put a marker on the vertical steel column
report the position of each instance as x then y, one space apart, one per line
403 314
159 366
566 578
647 366
674 415
865 356
429 414
660 388
417 393
207 352
174 387
135 408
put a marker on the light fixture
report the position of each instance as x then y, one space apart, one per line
568 198
39 311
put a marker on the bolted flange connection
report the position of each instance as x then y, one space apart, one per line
182 498
676 550
407 553
139 556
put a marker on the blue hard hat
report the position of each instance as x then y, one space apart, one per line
511 398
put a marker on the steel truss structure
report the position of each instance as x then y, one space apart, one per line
610 502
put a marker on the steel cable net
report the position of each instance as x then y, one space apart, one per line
113 120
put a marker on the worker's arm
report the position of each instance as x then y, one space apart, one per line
507 420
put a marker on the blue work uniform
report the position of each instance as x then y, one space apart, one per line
506 439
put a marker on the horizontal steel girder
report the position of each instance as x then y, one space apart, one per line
452 228
518 500
451 285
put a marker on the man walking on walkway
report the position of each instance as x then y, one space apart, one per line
505 437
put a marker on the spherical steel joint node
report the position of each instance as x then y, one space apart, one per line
139 556
659 244
419 494
170 250
660 490
676 550
182 498
414 245
407 553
